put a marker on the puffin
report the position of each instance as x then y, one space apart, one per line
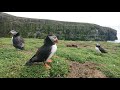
100 49
45 52
17 40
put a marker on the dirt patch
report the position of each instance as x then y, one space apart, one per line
79 45
85 70
72 45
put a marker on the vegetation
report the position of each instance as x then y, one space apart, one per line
85 35
12 61
64 30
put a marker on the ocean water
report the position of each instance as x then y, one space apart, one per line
116 41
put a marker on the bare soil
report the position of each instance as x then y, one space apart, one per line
85 70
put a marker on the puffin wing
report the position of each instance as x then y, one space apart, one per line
102 50
18 42
41 55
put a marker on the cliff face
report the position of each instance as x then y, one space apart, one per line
64 30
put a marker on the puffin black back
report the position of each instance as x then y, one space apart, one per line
47 40
18 34
18 41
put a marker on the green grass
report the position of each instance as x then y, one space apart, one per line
12 61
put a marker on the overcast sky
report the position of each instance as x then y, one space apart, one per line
110 19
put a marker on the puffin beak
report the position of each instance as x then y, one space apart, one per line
56 41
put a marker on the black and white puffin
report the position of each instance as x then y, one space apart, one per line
45 52
17 40
100 49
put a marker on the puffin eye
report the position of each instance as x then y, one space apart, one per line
54 37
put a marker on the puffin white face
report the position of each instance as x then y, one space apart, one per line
13 32
53 39
97 45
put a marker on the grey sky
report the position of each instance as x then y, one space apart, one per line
101 18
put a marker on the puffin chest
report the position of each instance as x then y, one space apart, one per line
53 50
97 49
12 40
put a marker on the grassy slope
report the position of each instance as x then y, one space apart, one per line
12 61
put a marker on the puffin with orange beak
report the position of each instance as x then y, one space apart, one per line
45 52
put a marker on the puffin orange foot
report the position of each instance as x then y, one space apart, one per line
47 66
49 61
